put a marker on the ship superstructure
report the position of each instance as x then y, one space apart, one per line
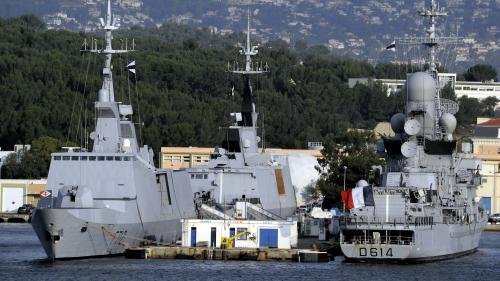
425 207
237 170
113 197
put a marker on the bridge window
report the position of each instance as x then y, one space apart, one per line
126 158
74 158
109 158
57 157
92 158
84 158
65 158
118 158
100 158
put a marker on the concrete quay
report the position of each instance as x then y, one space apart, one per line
205 253
14 217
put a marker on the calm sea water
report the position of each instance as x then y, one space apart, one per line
22 258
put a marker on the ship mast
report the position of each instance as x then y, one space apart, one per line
249 115
114 132
432 41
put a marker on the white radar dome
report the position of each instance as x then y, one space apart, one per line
398 123
103 95
421 87
448 122
362 183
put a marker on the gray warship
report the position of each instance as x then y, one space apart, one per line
237 170
113 197
425 207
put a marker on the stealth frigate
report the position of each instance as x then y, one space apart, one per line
113 198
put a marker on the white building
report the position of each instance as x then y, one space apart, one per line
479 90
258 234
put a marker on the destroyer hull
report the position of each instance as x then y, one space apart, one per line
63 235
438 242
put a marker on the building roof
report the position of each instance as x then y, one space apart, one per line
492 122
489 129
209 150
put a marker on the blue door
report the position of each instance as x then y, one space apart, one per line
213 237
268 238
487 204
193 236
232 232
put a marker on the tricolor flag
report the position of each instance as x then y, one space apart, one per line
358 197
391 47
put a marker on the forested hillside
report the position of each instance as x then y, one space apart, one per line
47 88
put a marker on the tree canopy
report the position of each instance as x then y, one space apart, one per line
480 73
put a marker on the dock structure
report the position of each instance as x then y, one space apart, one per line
207 253
14 217
492 227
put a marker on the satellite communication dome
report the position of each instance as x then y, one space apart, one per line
398 123
409 149
421 87
103 95
246 143
362 183
448 122
412 127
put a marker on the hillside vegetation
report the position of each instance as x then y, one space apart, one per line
47 89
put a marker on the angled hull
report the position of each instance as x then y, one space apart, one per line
64 235
429 243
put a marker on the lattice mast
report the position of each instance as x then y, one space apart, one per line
109 24
432 41
249 115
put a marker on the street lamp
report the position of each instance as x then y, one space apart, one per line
345 170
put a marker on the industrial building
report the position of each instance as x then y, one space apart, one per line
486 146
15 193
479 90
240 233
188 157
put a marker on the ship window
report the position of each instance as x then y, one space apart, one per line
485 180
118 158
74 158
205 176
57 157
192 176
126 158
109 158
65 158
83 158
92 158
243 236
199 176
100 158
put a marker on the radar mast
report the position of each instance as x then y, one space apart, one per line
249 115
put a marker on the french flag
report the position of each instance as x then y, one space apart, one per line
358 197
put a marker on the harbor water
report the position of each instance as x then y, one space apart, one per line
22 258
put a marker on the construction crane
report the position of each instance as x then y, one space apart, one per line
227 243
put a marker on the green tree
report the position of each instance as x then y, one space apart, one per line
480 72
488 106
349 149
469 110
